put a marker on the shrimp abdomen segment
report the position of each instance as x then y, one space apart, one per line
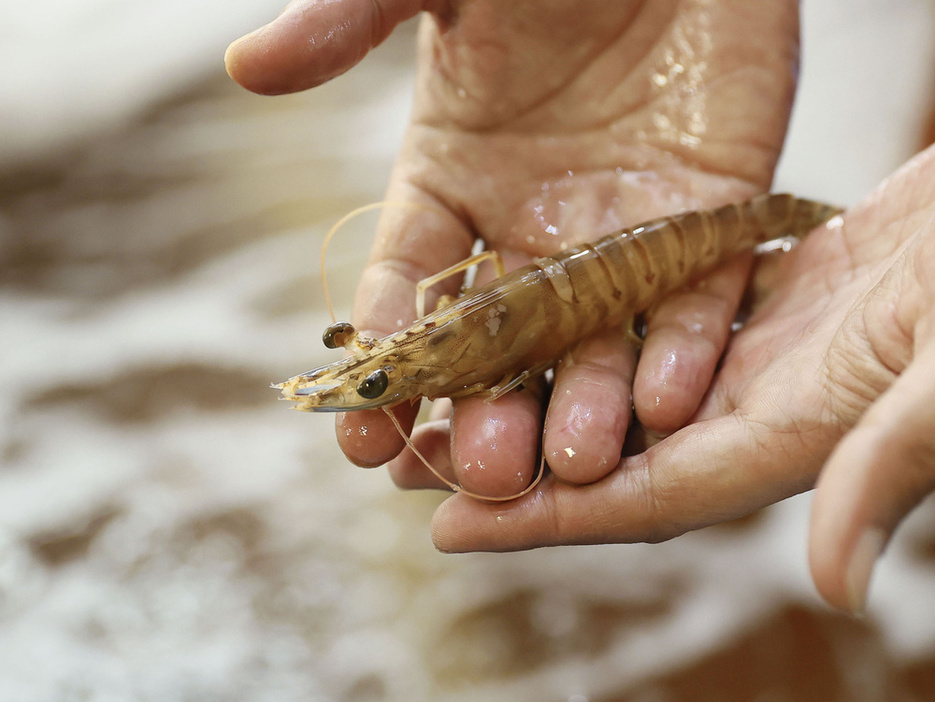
541 310
624 273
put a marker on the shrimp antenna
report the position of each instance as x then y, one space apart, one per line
347 218
453 486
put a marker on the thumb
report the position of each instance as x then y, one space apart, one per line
312 42
877 474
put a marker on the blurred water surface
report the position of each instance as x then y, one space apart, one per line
169 532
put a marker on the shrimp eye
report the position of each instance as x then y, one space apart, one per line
338 334
373 385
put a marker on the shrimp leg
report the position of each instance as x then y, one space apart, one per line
424 284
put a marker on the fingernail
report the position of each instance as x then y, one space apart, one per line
863 558
237 42
227 55
258 31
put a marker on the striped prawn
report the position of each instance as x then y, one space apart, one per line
502 334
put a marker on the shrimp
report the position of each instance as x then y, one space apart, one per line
500 335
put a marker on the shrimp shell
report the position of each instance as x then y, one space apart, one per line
516 327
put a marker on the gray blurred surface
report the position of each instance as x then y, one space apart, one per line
169 532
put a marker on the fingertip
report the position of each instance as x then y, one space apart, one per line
255 62
368 437
831 532
312 42
579 461
675 369
232 58
852 518
448 531
878 473
462 524
863 560
244 63
495 445
843 577
588 443
589 410
687 334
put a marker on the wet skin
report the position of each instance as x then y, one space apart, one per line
537 124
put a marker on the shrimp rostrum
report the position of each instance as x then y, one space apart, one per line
516 327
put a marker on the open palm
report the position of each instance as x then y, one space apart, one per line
536 125
834 374
541 124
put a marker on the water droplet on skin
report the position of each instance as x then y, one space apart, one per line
697 123
667 369
530 239
569 451
689 140
662 122
363 430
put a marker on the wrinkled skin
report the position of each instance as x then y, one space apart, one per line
834 375
835 369
537 124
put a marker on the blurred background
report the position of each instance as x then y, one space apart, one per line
169 532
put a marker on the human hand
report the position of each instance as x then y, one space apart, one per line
836 369
537 125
